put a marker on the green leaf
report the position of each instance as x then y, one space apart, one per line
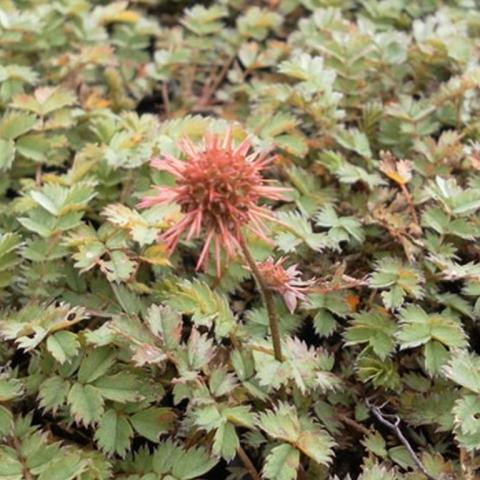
221 382
206 306
284 424
377 472
12 468
200 350
401 456
53 393
7 154
166 324
33 146
464 369
152 422
467 414
60 201
45 100
10 388
15 124
96 364
375 328
418 328
121 387
354 140
296 229
436 355
182 464
400 279
63 346
225 441
375 443
240 415
64 467
120 267
9 243
382 373
282 463
114 433
86 403
340 228
6 421
204 21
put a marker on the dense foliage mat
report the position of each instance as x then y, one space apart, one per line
239 239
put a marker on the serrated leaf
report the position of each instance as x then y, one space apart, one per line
96 364
7 154
63 345
53 393
206 306
121 387
166 324
375 443
464 369
12 468
282 463
467 412
400 279
120 267
15 124
114 433
64 467
284 424
225 441
156 255
153 422
45 100
436 355
6 421
418 328
182 464
376 329
86 403
10 388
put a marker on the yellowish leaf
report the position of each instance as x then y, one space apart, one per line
156 255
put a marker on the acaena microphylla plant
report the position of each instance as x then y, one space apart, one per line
218 188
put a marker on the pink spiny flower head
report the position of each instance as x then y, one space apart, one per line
218 187
285 281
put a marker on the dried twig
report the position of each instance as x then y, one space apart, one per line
394 425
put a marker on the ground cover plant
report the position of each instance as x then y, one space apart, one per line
239 239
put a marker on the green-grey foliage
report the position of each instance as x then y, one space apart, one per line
119 360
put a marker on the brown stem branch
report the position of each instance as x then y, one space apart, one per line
394 425
165 98
267 299
466 465
214 82
352 423
38 175
411 206
247 463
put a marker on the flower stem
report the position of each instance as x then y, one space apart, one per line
249 466
267 300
